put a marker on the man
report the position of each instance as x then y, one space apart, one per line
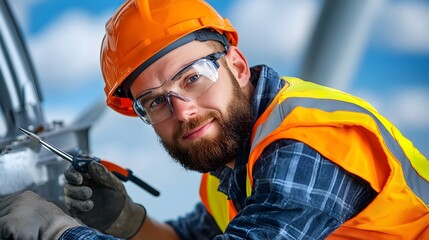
281 158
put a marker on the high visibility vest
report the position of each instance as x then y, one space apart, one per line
351 133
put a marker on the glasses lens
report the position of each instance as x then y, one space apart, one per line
140 111
187 84
202 67
151 107
195 79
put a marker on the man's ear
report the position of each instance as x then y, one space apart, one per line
238 65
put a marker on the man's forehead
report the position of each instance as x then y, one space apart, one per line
168 65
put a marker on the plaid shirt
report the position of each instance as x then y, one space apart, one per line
297 193
84 233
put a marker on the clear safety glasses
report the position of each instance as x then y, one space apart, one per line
154 105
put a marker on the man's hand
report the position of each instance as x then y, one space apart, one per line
99 199
29 216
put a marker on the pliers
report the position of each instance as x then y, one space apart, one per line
81 163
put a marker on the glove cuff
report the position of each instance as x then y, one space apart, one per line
129 221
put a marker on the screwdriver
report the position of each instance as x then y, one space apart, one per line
81 163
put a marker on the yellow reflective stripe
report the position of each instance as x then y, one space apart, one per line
304 89
218 202
311 95
248 185
419 161
312 90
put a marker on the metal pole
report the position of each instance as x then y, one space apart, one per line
338 41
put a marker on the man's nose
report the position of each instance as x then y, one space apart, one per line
183 108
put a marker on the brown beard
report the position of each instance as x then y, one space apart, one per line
208 154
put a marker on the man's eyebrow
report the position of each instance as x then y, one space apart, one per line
144 93
149 90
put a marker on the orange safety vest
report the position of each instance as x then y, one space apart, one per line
352 134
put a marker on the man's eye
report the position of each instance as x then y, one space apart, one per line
193 78
157 102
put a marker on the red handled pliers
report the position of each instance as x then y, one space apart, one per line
80 163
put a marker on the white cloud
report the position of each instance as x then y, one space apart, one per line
404 26
410 107
67 52
273 29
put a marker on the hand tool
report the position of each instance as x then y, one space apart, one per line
81 162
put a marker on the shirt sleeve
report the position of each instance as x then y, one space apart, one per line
297 194
198 225
84 233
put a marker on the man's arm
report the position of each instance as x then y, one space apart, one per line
86 198
198 224
152 229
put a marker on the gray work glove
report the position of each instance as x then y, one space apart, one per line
99 199
29 216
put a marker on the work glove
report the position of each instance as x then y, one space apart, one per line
99 199
29 216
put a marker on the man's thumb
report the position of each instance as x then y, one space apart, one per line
102 176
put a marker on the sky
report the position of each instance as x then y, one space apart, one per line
391 71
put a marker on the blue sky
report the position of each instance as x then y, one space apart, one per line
392 73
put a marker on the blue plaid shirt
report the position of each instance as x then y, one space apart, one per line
298 194
84 233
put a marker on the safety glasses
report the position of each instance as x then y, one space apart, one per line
188 84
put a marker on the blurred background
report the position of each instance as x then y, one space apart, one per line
375 49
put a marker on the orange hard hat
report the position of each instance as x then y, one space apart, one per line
142 31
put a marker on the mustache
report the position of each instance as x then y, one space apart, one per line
197 121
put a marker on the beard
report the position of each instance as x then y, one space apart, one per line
208 154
